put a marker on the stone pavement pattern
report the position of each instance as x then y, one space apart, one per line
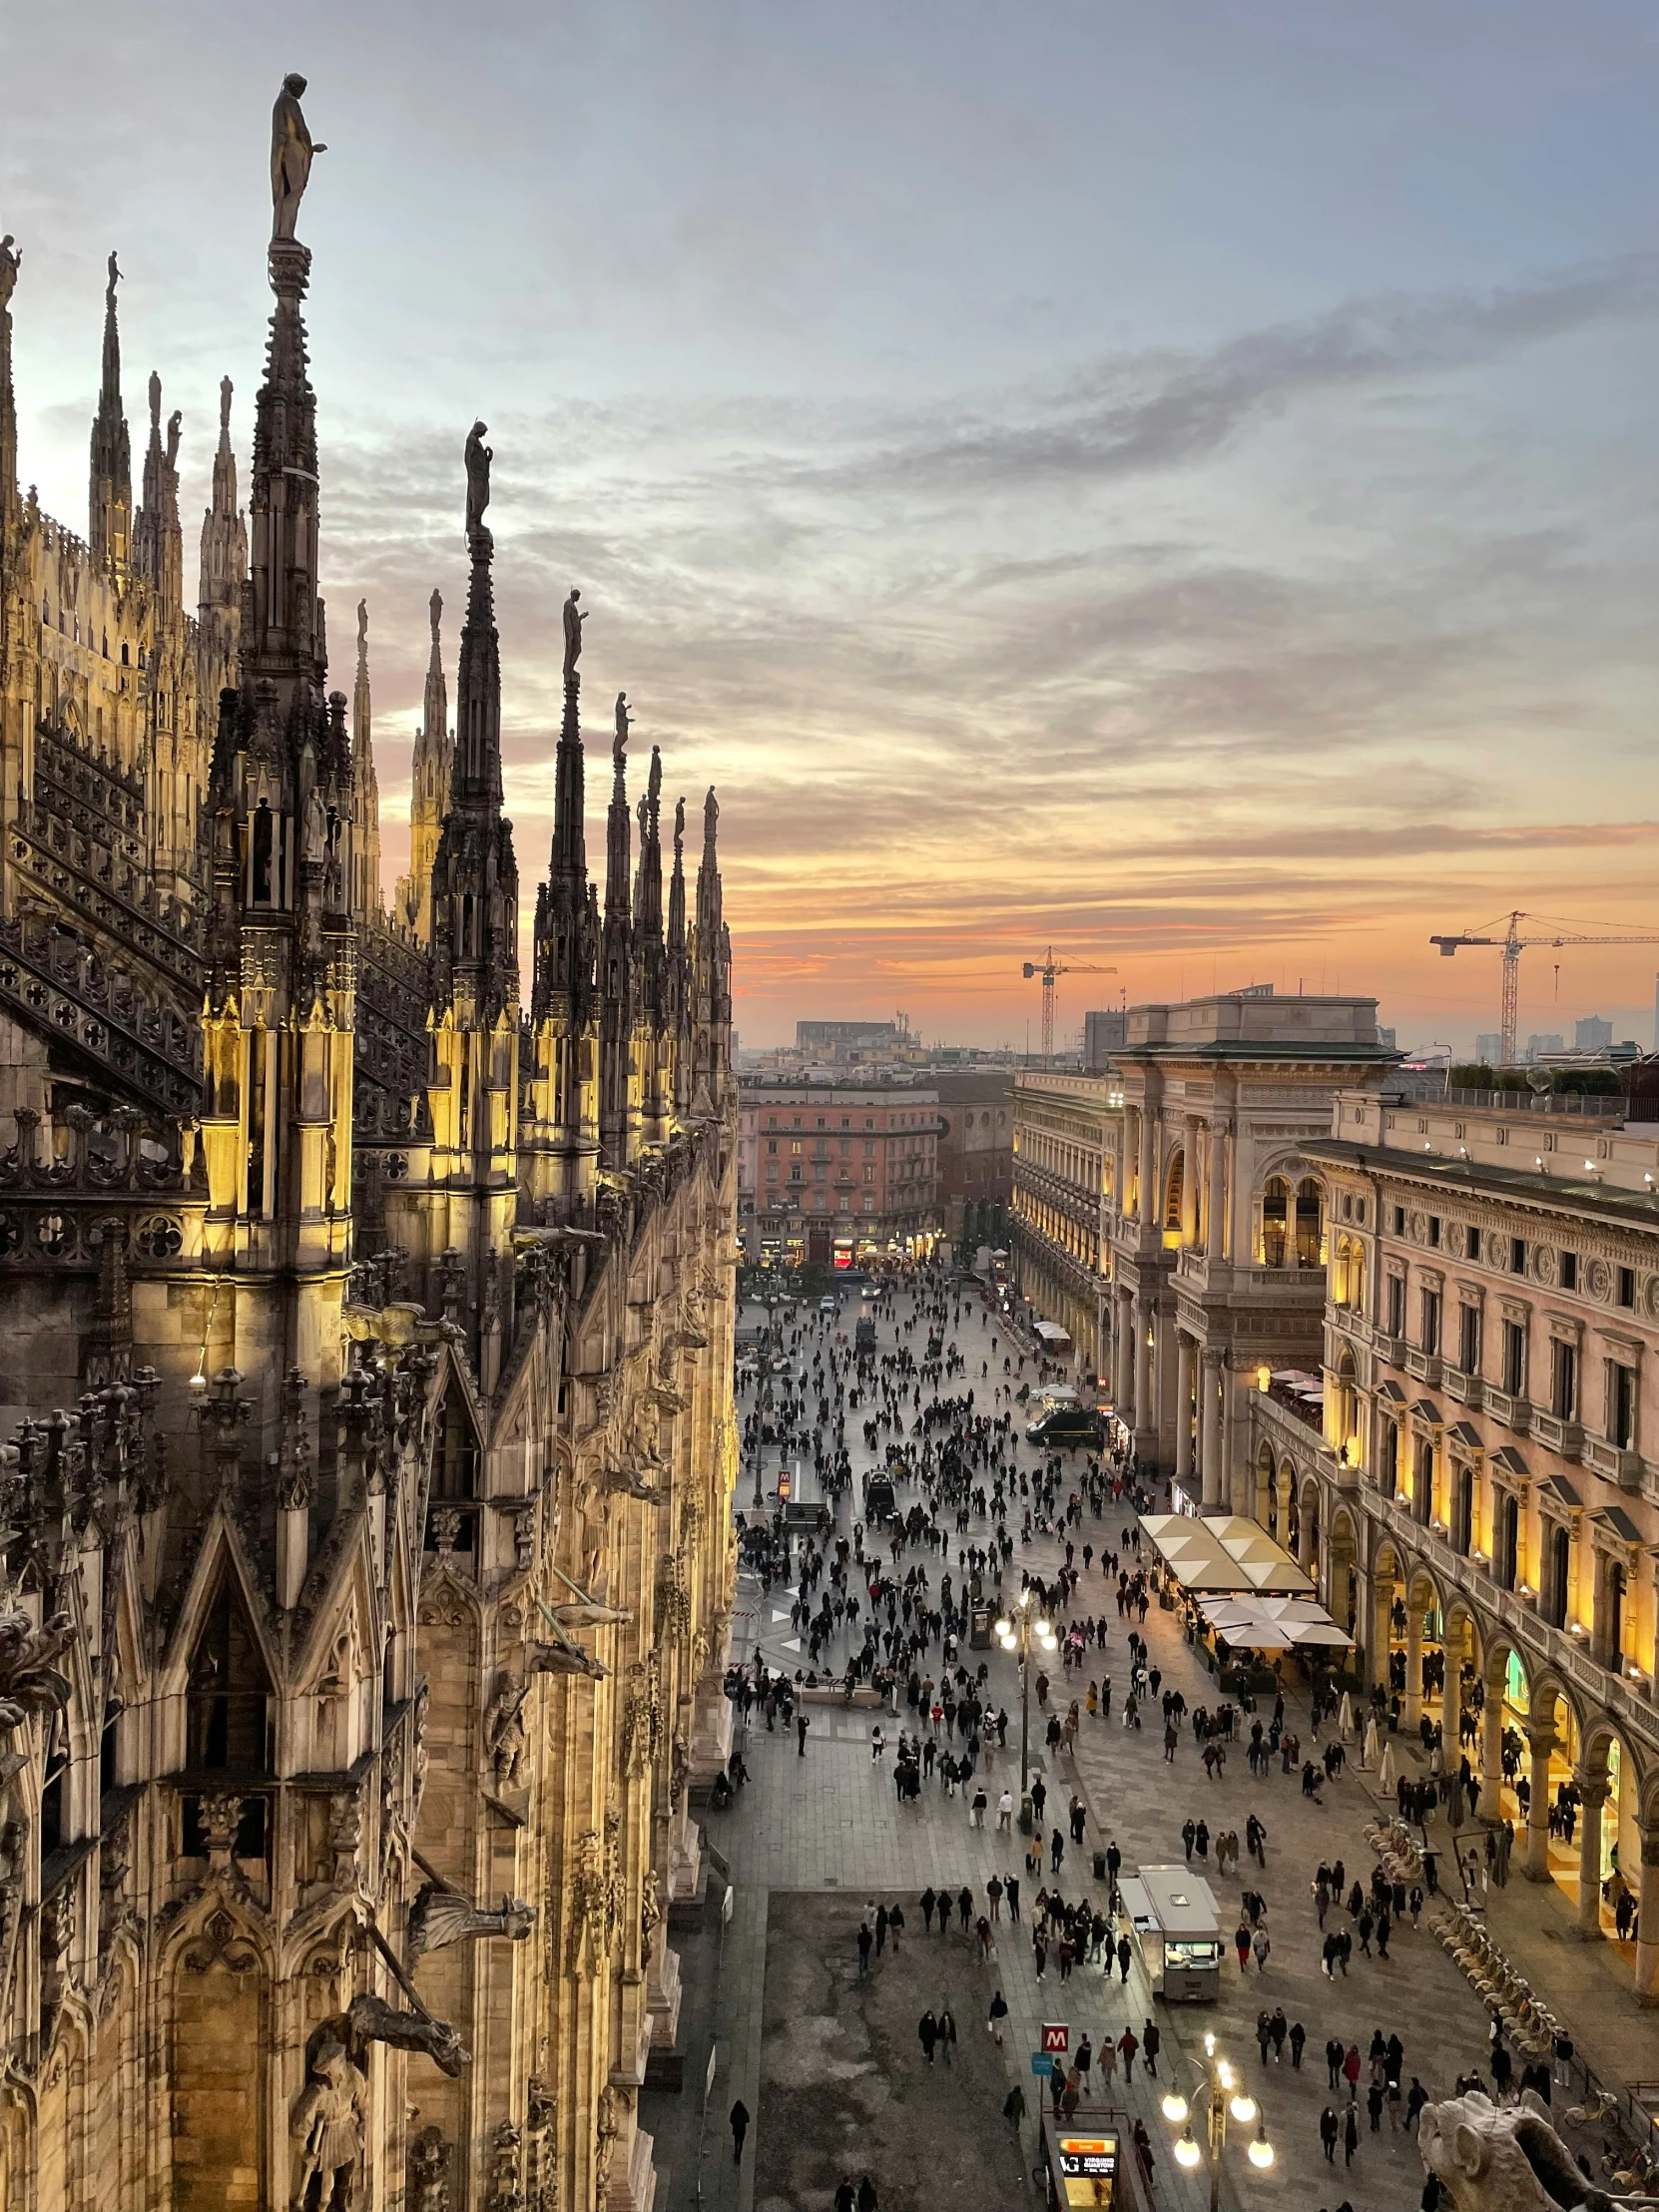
829 1824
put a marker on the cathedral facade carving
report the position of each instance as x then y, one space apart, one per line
365 1512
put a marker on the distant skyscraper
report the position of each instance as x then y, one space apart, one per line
1554 1042
1488 1049
1592 1034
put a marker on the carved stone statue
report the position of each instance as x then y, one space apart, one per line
225 388
632 1484
441 1915
478 459
574 619
328 2125
175 422
429 2172
623 719
11 260
373 2020
316 826
363 632
113 278
504 1736
651 1908
1492 2160
291 157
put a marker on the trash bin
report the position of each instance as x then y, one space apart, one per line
979 1628
1100 1865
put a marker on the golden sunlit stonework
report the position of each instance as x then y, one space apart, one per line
365 1556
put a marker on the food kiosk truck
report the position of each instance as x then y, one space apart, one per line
1177 1931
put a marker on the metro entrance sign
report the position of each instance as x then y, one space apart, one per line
1056 2038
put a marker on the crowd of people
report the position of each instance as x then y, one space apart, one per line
885 1612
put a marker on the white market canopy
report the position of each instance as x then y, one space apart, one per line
1274 1623
1051 1333
1223 1552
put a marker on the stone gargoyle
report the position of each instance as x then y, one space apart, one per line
1508 2158
440 1916
373 2020
632 1484
589 1613
563 1659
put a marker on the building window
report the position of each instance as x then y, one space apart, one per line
1506 1552
772 1144
1517 1255
1397 1306
845 1206
869 1203
1391 1459
1570 1271
794 1173
1514 1359
1468 1340
1431 1320
869 1175
1434 1229
1463 1512
795 1146
1563 1380
1422 1481
1622 1406
1627 1288
1400 1220
1559 1578
771 1171
1471 1244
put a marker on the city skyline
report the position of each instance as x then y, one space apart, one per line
1178 490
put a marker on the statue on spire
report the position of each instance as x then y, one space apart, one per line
362 637
175 424
711 820
478 458
624 721
573 631
226 387
434 613
108 289
291 160
11 260
679 829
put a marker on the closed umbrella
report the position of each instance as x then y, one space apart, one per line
1344 1716
1385 1772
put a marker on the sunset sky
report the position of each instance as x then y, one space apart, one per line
1178 482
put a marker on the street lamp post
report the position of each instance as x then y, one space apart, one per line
1017 1632
1223 2096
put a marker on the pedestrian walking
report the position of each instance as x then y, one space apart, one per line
1128 2044
1350 2134
927 2033
803 1722
948 2032
997 2015
1151 2041
1329 2129
739 2119
865 1942
1124 1957
1013 2107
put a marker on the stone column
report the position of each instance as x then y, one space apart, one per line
1123 1356
1539 1743
1209 1413
1489 1749
1592 1796
1646 1983
1146 1419
1189 1182
1451 1706
1147 1205
1215 1192
1413 1664
1184 1366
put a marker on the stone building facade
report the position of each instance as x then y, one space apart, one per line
975 1155
1483 1487
829 1173
366 1350
1068 1142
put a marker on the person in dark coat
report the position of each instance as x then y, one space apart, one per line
927 2033
738 2117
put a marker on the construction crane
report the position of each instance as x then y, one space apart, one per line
1512 943
1048 969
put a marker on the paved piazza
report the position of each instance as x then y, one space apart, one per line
833 2073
